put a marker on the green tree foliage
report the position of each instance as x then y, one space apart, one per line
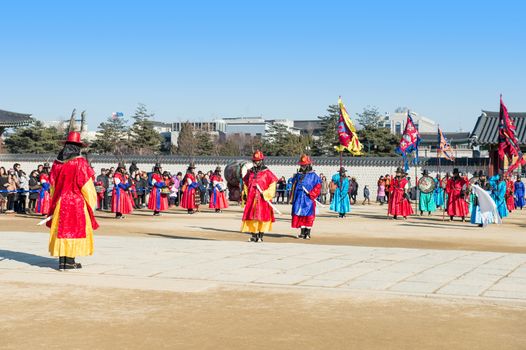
186 142
35 138
279 141
111 137
144 138
370 117
378 141
329 138
204 143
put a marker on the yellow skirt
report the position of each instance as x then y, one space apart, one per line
255 226
70 247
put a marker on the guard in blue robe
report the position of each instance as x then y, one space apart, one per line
520 201
340 202
438 193
498 193
426 201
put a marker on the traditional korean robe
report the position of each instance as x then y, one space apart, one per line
303 203
258 215
457 198
157 201
120 199
72 203
218 197
340 201
399 204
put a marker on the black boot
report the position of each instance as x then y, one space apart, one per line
307 233
156 213
254 238
62 263
302 234
260 237
71 264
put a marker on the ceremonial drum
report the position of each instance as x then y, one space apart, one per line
165 190
234 173
426 184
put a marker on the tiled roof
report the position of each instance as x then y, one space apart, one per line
454 138
486 130
12 119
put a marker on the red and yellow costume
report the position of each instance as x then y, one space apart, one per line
72 203
158 202
189 187
399 204
121 201
457 205
259 187
510 195
44 197
218 199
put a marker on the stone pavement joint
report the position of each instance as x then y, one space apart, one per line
156 263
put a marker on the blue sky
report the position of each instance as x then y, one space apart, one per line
208 59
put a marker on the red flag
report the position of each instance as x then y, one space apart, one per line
508 142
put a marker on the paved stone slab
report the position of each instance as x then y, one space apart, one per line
178 264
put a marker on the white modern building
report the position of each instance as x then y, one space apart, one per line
396 122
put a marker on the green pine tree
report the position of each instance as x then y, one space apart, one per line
329 137
35 138
144 138
204 144
111 137
186 142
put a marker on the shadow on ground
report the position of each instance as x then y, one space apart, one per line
180 237
30 259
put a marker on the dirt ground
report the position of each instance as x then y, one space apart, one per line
50 317
365 226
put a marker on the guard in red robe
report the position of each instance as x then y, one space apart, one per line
399 203
44 197
306 187
259 188
218 198
157 201
189 186
120 200
456 190
72 204
510 194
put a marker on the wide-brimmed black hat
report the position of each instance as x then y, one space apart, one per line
218 168
342 170
425 172
191 165
455 171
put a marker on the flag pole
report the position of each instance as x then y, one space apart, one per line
438 151
416 184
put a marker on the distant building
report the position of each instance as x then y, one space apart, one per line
223 127
312 127
396 122
459 141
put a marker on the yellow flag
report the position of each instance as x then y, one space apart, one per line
347 133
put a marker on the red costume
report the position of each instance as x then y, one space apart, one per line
510 195
44 198
218 199
457 205
72 204
398 202
158 201
120 200
189 187
259 188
